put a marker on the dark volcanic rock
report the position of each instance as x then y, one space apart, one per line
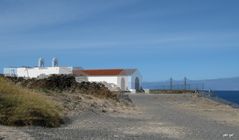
65 83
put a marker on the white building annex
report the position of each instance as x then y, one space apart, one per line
124 79
37 72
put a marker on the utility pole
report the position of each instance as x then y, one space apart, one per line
185 83
171 83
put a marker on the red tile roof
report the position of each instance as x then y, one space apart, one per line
103 72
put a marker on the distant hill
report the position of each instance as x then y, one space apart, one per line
214 84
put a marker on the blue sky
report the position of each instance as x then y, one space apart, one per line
162 38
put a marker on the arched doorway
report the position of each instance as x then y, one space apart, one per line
122 84
137 86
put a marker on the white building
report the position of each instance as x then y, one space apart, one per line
37 72
125 79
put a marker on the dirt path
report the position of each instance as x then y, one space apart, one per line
156 117
191 117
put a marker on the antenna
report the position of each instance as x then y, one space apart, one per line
55 62
41 62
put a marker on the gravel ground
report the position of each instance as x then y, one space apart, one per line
155 117
196 124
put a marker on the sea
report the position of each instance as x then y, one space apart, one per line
230 96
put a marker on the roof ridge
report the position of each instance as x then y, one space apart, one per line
104 72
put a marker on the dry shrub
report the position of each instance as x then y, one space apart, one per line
19 106
65 83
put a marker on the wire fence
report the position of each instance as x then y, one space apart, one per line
198 86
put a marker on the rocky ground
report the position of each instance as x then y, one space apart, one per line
162 116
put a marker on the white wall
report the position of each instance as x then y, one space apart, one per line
35 72
129 80
10 71
65 70
108 79
120 80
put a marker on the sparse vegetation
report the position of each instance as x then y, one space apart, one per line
43 102
20 106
